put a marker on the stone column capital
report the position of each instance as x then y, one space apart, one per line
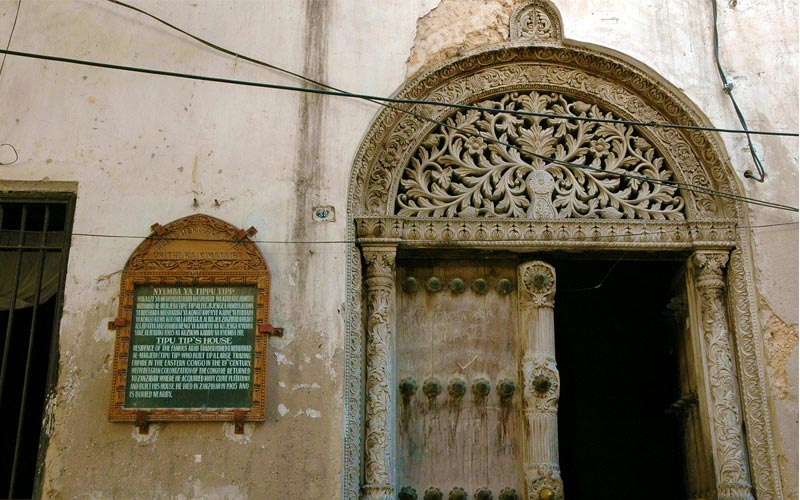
709 269
380 260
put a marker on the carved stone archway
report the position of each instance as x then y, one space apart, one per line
397 200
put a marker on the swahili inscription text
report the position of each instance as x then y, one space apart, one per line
191 347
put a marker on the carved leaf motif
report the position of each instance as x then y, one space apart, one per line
461 170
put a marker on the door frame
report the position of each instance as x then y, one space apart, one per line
713 231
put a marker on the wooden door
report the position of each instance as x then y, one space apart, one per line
459 420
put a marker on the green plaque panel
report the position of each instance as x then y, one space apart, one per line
191 347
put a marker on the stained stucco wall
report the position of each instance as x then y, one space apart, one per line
150 149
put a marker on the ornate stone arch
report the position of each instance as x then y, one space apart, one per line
538 61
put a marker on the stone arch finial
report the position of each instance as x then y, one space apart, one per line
538 21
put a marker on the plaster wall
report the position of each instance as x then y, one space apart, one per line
147 149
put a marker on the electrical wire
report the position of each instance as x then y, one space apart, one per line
8 45
2 65
16 155
378 100
686 186
728 89
602 280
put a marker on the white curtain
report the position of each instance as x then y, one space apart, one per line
28 278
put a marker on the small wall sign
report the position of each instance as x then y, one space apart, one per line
192 327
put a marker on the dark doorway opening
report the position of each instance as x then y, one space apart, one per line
615 348
34 242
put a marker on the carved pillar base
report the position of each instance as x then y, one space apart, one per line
735 491
544 482
377 492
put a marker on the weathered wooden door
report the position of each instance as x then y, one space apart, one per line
466 343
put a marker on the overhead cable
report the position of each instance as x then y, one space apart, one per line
13 26
686 186
2 65
378 100
490 110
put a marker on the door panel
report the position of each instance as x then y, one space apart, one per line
457 342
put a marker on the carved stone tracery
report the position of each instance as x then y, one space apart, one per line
465 169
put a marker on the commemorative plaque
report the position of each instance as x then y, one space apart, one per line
192 328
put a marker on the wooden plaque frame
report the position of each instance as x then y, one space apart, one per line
198 250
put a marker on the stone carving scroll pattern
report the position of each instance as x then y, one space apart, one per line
758 423
732 479
353 372
464 169
378 468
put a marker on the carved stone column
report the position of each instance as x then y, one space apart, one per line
729 454
379 412
541 381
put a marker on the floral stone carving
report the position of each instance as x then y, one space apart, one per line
467 169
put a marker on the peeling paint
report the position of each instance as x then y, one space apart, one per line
781 341
146 439
201 492
454 27
305 386
69 389
309 412
102 333
283 410
282 359
230 432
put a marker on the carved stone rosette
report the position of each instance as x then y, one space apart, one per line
733 482
541 380
379 463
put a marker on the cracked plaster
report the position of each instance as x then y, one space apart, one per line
455 27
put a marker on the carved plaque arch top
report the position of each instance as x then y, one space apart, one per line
197 243
465 169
